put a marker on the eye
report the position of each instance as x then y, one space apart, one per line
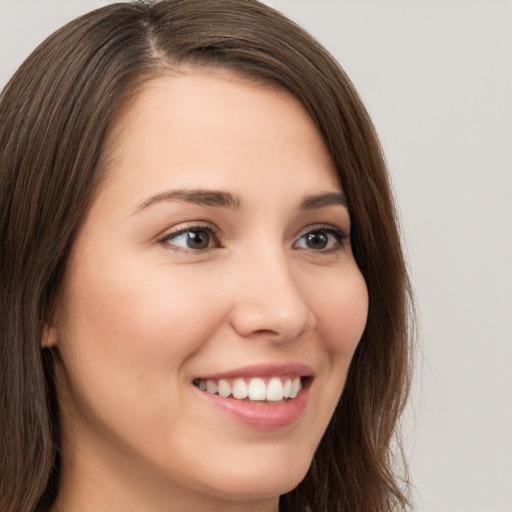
192 239
322 239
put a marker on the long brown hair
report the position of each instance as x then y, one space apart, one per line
54 116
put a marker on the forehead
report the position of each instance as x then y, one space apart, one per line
202 124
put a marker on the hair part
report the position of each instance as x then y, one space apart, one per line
55 114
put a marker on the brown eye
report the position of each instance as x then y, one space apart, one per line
194 239
317 240
198 239
325 239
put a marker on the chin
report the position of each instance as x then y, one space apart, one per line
259 477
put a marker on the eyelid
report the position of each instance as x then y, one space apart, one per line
342 235
325 227
189 226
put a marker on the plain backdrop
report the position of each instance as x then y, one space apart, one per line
436 76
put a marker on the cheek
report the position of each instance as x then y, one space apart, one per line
133 312
341 309
125 340
129 333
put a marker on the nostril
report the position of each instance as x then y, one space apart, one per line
266 332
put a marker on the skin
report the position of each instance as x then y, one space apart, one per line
141 314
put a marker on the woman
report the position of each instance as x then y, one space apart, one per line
205 303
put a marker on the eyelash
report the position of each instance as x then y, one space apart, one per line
340 236
196 227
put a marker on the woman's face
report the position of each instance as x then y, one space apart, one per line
215 254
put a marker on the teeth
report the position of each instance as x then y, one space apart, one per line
240 389
287 388
274 390
224 388
257 389
211 386
295 387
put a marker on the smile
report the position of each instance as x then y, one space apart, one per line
273 389
263 397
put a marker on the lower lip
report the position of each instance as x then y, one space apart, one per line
261 416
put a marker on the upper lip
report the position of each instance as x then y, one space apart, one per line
262 370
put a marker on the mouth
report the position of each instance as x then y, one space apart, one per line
262 390
265 397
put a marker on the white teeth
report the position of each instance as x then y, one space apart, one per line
240 389
224 388
255 389
296 386
287 387
274 390
211 386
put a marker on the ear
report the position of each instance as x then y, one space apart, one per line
49 336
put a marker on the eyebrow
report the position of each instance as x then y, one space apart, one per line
219 199
214 198
322 200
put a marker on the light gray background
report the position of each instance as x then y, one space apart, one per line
436 76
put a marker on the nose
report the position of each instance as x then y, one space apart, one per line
268 301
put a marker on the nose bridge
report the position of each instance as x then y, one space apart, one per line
270 301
